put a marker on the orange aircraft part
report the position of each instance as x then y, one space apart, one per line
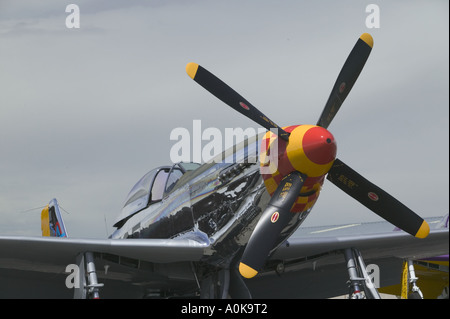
311 150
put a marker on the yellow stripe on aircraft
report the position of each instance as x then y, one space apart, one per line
45 226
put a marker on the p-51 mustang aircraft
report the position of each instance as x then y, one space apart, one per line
191 230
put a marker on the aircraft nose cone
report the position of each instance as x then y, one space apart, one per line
319 145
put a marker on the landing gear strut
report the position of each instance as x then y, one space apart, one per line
360 280
93 284
410 290
87 286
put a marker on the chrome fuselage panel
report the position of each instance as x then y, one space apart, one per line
218 204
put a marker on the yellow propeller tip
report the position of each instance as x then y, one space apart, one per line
191 69
246 271
423 231
367 38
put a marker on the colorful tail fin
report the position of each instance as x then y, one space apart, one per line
52 224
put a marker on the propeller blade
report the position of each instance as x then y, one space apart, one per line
346 78
230 97
275 217
377 200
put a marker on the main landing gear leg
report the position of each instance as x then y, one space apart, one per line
93 285
359 278
410 290
86 284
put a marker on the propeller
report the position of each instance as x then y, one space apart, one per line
230 97
278 213
377 200
346 78
275 217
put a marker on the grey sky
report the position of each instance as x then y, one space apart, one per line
84 113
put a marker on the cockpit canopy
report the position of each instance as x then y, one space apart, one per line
151 188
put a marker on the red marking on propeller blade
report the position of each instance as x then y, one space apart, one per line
373 196
245 106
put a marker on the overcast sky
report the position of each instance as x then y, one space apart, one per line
84 113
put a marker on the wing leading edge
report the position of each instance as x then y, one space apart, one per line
64 250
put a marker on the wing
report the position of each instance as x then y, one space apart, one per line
312 265
36 267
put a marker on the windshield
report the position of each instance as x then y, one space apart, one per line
152 187
140 193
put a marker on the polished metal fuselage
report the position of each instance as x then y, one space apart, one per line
218 204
